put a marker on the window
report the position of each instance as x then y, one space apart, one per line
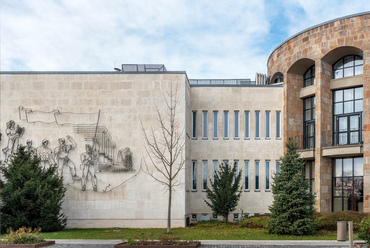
267 175
204 174
309 172
236 216
347 121
348 184
257 124
236 124
257 175
267 124
205 124
214 216
348 66
215 169
277 167
193 216
278 124
246 124
215 124
236 164
194 124
246 175
309 123
194 176
226 124
309 77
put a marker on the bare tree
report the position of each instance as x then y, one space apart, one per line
165 147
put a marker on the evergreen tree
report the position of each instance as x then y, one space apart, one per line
224 195
31 196
293 205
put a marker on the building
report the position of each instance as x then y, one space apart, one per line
64 116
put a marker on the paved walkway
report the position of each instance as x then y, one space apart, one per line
80 243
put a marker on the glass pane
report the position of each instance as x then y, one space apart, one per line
354 138
348 94
348 61
359 207
358 60
307 103
311 129
308 115
338 108
346 204
359 70
342 124
307 170
358 167
338 167
343 139
338 65
311 142
338 73
337 205
313 186
359 93
313 170
348 107
338 187
338 96
358 186
347 167
348 72
358 106
354 122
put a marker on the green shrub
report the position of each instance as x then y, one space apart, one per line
328 221
255 222
364 232
23 236
213 224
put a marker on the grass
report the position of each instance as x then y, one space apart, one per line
229 232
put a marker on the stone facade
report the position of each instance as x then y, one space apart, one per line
322 46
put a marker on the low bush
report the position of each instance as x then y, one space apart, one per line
328 221
23 236
255 222
364 232
213 224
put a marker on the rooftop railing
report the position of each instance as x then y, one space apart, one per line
221 82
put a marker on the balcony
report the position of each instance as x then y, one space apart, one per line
342 146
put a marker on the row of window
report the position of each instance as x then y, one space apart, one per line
247 118
347 118
247 173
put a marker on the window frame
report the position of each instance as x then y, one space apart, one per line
215 124
278 126
226 124
267 175
236 124
204 124
204 174
257 124
343 68
257 175
194 176
194 124
309 77
246 124
268 124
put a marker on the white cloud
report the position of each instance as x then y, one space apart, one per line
208 39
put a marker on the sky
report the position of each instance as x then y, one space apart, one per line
215 39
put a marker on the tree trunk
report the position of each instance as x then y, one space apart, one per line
169 209
226 218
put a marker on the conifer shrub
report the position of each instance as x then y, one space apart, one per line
293 205
259 221
364 232
31 196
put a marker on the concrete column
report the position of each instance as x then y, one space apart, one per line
323 127
366 124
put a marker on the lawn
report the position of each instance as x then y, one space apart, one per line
187 233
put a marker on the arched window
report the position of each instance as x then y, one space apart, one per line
348 66
279 78
309 77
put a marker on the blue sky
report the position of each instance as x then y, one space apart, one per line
205 38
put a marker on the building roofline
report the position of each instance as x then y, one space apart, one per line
92 72
318 25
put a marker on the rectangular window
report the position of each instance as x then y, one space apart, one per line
236 164
277 167
257 124
204 172
267 124
215 124
277 124
194 176
205 124
257 175
215 169
267 175
309 123
246 124
226 124
236 124
246 175
194 124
